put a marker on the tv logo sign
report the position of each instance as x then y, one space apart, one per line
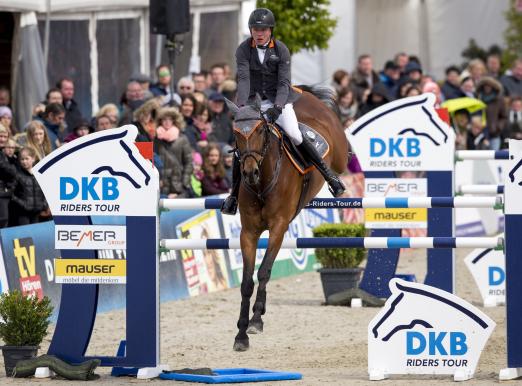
488 268
424 330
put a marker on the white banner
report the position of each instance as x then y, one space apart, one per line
488 268
78 179
404 135
513 187
424 330
392 218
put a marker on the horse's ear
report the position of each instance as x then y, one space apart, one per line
231 106
257 102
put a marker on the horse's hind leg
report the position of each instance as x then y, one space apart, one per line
274 244
248 249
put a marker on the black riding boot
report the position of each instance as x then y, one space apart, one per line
334 183
229 206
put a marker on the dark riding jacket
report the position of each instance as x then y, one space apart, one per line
270 79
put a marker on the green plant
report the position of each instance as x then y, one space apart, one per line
340 257
301 23
474 51
512 34
24 319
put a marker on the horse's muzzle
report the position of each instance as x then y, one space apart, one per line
252 177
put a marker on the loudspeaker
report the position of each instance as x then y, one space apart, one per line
168 17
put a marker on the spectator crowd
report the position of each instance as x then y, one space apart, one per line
191 127
493 115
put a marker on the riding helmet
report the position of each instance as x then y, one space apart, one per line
261 17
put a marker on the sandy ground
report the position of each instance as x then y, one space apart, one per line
326 344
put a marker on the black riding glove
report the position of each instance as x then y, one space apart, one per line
273 113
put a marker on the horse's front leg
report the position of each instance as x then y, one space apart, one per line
277 233
249 241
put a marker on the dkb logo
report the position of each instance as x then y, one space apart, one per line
496 275
395 147
95 188
434 343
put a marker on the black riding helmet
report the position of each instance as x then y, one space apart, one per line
261 17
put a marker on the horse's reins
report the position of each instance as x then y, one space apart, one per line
251 153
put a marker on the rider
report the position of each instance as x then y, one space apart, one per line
263 67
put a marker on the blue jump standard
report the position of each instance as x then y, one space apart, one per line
234 376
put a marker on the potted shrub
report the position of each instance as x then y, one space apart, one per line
340 266
23 325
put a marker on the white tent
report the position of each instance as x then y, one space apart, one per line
100 44
435 30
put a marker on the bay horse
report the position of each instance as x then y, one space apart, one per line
271 189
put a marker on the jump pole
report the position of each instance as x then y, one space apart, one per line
341 242
354 202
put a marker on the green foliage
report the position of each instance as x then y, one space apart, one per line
474 51
24 319
301 23
512 36
340 257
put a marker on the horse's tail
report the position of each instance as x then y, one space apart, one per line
325 95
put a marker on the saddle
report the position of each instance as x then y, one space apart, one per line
302 165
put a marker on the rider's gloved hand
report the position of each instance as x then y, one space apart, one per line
273 113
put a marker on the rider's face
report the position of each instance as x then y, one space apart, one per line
261 35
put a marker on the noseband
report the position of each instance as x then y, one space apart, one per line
248 153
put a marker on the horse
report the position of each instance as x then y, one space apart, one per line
273 191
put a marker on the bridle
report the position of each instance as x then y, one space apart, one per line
250 153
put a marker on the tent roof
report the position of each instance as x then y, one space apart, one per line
91 5
70 5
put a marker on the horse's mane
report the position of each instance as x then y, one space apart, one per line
325 95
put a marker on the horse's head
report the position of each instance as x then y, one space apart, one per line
252 134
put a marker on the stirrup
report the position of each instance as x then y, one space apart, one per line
335 186
229 206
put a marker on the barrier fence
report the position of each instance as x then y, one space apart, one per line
480 189
342 242
462 155
355 202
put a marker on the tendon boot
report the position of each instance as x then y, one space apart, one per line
229 206
335 185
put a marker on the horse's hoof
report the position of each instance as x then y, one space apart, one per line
241 345
255 328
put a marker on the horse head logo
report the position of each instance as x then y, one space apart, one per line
406 129
98 170
424 330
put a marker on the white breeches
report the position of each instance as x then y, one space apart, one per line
287 120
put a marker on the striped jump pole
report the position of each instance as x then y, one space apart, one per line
463 155
366 202
342 242
480 189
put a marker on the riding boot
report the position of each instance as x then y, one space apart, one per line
335 185
229 206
